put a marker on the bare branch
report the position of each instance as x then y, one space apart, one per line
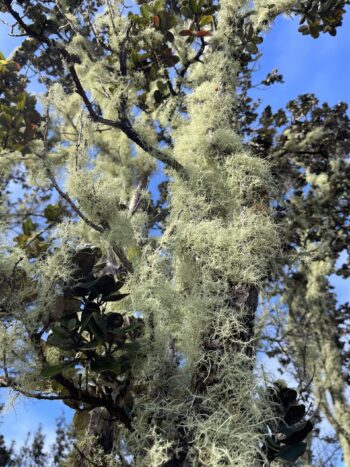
123 259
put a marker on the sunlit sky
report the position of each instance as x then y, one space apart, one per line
319 66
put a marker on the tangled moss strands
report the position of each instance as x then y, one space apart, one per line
202 405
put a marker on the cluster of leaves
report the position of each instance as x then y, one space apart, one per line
321 16
155 59
19 119
89 337
305 137
286 444
282 135
31 239
249 39
47 19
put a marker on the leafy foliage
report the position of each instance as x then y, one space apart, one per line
160 83
287 443
19 118
321 16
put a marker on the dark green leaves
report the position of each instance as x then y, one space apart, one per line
105 285
320 17
286 443
102 364
85 259
85 326
63 343
54 212
50 371
294 414
292 453
19 118
114 320
299 434
115 297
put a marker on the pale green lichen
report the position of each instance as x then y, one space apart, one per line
221 232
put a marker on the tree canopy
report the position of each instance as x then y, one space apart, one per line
138 307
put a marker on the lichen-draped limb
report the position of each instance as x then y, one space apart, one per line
123 122
315 340
198 291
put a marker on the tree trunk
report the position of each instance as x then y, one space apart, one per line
243 301
98 440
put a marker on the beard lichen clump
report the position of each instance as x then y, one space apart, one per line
198 369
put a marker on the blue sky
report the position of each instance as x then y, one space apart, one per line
319 66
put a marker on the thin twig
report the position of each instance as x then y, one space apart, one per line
84 456
136 198
38 235
71 203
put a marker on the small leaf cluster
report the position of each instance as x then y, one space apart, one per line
155 59
19 118
90 338
287 443
250 38
199 14
321 16
32 240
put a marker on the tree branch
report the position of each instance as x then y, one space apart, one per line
124 124
71 203
136 198
83 456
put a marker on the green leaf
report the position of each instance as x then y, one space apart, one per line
81 289
121 331
170 61
90 345
99 321
101 364
95 324
257 40
294 414
86 258
22 99
99 266
146 11
60 342
49 371
53 212
252 48
300 434
28 227
60 331
114 320
292 453
158 97
91 307
207 19
169 36
130 346
158 5
105 284
84 323
194 6
71 306
115 297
